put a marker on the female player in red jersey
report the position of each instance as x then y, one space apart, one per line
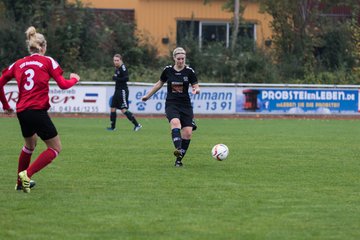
32 74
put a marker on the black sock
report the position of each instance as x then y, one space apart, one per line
131 117
184 146
176 137
113 119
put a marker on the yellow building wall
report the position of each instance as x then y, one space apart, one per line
156 19
129 4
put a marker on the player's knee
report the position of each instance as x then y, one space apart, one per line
30 146
187 132
175 123
31 142
58 148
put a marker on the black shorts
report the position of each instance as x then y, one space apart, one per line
120 100
36 121
184 113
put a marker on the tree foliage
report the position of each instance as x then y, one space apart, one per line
77 36
307 40
309 46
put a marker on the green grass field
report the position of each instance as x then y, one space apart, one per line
284 179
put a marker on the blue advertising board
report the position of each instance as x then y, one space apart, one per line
298 101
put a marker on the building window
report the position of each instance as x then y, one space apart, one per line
213 32
206 32
186 30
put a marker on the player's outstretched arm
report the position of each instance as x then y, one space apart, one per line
6 77
64 83
3 100
155 88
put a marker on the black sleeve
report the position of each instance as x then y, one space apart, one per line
192 77
121 74
164 76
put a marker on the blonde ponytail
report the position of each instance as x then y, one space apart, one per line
35 41
30 32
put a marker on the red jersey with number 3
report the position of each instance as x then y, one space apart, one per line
32 74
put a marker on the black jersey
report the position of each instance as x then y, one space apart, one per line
121 77
178 83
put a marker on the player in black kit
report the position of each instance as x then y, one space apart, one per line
120 99
178 107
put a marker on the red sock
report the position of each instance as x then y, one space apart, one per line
42 161
24 161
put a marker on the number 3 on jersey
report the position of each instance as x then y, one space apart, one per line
29 80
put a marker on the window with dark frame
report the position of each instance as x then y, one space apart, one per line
207 32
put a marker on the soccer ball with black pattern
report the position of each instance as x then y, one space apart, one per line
220 152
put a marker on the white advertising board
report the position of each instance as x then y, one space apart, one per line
219 100
78 99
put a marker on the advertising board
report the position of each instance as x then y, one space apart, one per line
213 99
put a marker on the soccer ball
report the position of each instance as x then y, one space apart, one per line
220 152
